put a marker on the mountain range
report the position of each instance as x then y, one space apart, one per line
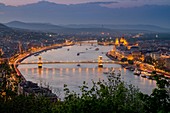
73 28
86 13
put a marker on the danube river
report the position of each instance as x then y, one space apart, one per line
55 76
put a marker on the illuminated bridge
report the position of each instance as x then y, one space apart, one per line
93 42
99 61
69 62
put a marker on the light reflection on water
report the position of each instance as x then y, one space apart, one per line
56 75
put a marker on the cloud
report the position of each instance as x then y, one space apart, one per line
104 2
1 13
134 0
114 2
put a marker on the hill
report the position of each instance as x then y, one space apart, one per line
4 29
76 28
33 26
2 26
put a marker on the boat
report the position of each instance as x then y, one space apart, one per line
145 74
68 49
105 72
96 49
127 67
78 65
36 54
132 69
78 54
150 77
123 65
136 72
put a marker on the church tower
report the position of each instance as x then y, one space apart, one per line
117 42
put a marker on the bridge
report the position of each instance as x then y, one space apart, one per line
69 62
100 62
92 42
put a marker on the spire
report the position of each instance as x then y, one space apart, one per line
20 47
117 42
125 43
122 39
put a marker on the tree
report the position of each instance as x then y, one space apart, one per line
159 100
112 96
27 104
123 59
103 97
131 62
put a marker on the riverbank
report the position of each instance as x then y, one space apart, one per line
22 80
146 67
25 55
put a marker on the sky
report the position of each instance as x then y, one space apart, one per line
121 3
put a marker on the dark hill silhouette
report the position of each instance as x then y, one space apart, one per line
84 27
32 26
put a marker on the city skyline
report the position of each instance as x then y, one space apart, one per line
114 4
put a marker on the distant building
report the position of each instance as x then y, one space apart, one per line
122 49
1 52
117 42
167 63
134 48
165 55
137 55
155 55
29 88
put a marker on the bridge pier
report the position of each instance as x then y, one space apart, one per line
100 62
40 62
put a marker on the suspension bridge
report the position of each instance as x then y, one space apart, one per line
99 61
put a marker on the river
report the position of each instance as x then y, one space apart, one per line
55 76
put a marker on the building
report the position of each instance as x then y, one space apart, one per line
117 42
154 55
137 55
122 49
29 88
167 63
165 55
1 52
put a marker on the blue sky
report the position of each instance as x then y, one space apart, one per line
120 3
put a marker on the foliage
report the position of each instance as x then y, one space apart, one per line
123 59
130 62
112 96
29 104
159 100
5 67
103 97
